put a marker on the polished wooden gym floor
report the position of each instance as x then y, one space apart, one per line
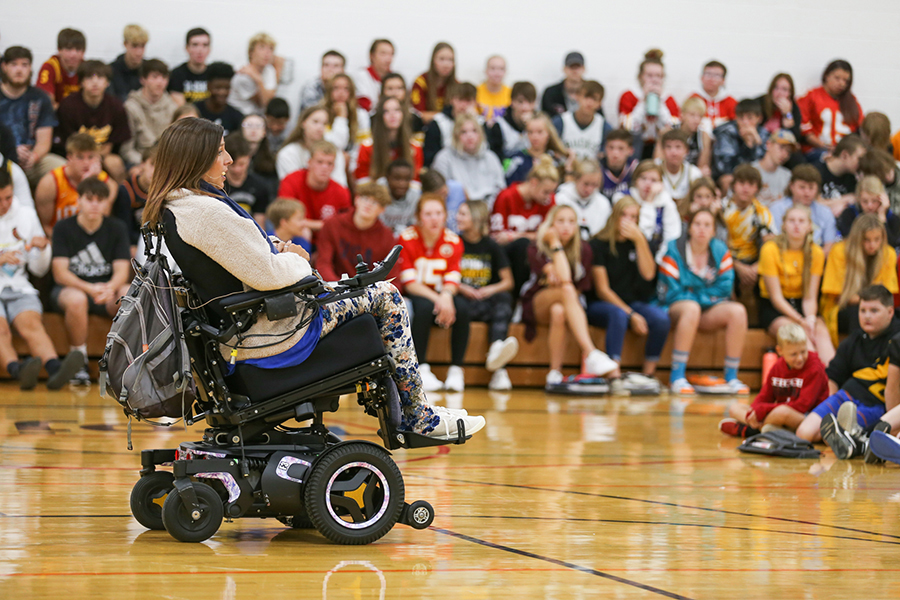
557 498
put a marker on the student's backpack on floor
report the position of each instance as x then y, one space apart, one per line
146 366
779 442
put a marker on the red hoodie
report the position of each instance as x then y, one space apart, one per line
801 389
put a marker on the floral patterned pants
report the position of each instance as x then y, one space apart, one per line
385 303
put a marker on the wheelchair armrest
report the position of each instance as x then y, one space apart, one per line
238 302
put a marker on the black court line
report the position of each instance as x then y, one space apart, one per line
674 524
561 563
656 502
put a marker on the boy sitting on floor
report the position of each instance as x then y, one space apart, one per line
796 384
856 375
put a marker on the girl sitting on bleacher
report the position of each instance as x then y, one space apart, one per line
560 273
696 277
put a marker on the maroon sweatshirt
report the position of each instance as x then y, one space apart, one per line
339 241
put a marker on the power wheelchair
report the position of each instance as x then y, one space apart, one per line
250 463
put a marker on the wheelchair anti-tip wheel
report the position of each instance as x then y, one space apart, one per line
355 494
189 525
298 521
147 497
419 514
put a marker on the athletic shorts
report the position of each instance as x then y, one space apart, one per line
866 416
13 303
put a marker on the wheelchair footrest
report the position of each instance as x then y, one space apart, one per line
408 439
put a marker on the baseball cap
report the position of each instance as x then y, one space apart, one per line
574 58
785 137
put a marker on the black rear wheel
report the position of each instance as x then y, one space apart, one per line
355 494
148 496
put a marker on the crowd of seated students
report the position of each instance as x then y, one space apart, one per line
665 219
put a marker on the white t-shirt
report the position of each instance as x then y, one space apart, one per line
593 211
243 88
774 184
679 184
587 142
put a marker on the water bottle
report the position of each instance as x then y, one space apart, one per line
652 101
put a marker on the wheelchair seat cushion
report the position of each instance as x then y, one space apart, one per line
352 344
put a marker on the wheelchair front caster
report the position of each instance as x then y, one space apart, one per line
418 515
354 494
147 497
186 524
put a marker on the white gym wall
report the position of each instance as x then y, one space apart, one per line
755 39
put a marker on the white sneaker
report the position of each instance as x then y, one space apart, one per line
554 377
430 383
451 412
500 381
500 353
456 379
598 363
447 428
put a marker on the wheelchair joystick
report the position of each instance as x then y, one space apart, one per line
361 266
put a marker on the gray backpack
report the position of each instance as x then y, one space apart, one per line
146 366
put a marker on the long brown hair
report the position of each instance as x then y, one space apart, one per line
431 78
768 105
572 248
847 101
381 140
297 134
185 152
328 103
861 269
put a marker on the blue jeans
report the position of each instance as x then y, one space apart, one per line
615 321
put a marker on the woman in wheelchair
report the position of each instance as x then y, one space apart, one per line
223 251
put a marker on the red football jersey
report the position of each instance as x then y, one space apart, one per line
821 116
436 266
511 214
718 110
54 80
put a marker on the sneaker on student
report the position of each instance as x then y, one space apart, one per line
885 446
617 386
640 383
430 382
870 457
739 388
501 352
681 386
29 369
598 363
447 429
71 364
846 418
452 412
554 377
500 381
456 379
838 439
734 428
81 377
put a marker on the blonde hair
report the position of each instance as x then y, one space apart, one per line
260 38
585 166
781 240
135 35
860 268
572 248
544 169
554 142
694 105
461 121
284 208
869 185
611 230
791 333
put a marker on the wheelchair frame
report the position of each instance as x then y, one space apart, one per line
249 464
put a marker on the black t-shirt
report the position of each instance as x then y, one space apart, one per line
481 262
253 196
91 255
835 186
622 270
230 118
192 85
860 364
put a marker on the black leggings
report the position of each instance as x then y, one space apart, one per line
423 319
496 311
